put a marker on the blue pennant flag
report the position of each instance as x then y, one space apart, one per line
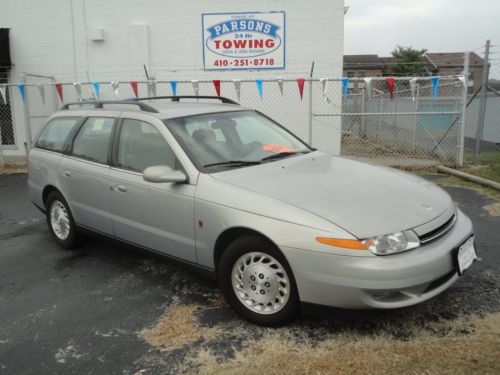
345 86
173 86
259 87
96 87
435 86
21 89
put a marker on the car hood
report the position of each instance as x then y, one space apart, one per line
363 199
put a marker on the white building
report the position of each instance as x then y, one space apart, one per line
71 41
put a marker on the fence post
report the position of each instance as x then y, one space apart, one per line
482 104
310 110
311 104
2 163
363 108
461 133
417 98
26 110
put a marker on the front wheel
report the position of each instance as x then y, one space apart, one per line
257 282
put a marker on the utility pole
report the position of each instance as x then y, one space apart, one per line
482 103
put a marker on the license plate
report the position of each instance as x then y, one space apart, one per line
466 255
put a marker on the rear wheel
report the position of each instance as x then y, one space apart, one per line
60 221
257 282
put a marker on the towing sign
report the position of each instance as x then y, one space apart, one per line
236 41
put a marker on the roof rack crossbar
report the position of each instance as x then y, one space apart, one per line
99 104
177 98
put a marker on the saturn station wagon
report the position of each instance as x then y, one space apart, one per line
283 227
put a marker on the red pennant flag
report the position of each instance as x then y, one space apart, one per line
217 86
135 88
300 82
390 85
59 90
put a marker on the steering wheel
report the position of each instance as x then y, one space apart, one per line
249 148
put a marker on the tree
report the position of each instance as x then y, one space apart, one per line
408 61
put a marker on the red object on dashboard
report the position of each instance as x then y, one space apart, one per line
276 148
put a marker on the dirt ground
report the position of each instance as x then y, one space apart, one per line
107 309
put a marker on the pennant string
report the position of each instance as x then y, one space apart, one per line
259 87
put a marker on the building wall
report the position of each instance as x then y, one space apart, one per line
51 37
474 78
368 72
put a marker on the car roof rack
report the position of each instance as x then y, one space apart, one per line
98 104
177 98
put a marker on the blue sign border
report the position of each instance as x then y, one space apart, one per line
229 13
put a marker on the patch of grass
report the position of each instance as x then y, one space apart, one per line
465 346
457 181
493 209
8 169
177 328
489 166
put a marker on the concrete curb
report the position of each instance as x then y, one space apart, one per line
470 177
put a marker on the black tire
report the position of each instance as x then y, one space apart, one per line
73 239
248 244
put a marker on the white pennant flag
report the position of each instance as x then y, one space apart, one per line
115 85
463 80
237 88
152 88
368 86
413 87
41 90
324 88
78 89
280 84
3 88
196 87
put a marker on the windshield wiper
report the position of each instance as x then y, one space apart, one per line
234 163
283 155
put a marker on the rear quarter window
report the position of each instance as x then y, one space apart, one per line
54 135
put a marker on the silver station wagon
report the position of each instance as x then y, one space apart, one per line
283 227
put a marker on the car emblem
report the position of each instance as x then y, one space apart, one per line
427 207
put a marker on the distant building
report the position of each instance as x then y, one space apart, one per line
448 63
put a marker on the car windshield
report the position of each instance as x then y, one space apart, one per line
234 139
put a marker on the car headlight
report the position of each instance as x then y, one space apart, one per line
392 243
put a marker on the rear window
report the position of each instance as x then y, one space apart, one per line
92 141
54 134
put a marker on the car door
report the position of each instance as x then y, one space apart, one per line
84 173
158 216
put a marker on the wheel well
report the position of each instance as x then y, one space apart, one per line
46 191
228 236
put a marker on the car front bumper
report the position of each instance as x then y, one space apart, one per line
385 282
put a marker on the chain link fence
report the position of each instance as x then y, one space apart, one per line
410 129
482 133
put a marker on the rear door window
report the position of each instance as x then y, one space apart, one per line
92 141
54 135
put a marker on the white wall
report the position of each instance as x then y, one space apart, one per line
50 37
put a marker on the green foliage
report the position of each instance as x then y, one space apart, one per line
408 61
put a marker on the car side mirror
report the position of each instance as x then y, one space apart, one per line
163 173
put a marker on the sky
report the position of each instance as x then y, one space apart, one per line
376 26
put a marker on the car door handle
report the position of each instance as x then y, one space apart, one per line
67 174
121 188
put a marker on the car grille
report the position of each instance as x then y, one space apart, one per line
438 232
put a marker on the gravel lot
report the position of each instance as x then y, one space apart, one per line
107 309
